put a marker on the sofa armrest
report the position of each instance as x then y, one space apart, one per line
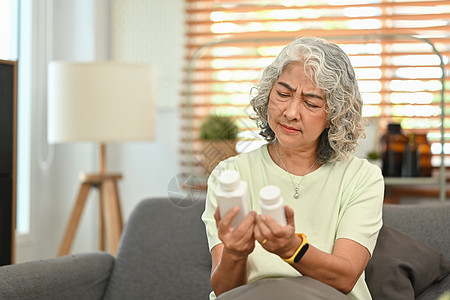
82 276
428 222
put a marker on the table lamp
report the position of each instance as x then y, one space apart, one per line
100 102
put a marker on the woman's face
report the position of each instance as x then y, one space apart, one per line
296 110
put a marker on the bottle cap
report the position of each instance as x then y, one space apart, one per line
229 180
270 194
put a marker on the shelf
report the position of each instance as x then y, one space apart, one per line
415 187
389 181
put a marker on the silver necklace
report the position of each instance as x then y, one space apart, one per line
295 186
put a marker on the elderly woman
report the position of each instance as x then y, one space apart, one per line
308 107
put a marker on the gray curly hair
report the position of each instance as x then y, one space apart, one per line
331 70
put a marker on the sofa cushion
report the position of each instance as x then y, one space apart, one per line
402 267
163 253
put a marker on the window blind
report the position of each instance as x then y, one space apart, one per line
228 43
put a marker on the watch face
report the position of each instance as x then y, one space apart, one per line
301 253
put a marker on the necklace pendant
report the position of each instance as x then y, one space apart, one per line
296 195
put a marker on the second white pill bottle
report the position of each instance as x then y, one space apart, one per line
231 192
272 204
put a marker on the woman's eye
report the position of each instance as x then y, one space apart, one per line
310 104
283 95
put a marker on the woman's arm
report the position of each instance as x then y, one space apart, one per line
229 259
341 269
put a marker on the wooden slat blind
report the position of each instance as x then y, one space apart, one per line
228 43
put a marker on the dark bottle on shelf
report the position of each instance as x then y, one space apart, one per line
393 146
423 155
410 162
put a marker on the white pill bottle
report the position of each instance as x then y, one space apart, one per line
231 192
272 204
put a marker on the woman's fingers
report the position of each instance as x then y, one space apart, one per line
239 241
258 235
289 215
263 227
248 222
272 236
217 215
225 221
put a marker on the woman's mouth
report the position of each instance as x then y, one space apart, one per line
289 129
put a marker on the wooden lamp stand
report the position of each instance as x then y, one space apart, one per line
110 215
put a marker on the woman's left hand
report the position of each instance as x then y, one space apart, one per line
273 237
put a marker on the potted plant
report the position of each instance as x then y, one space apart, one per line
219 137
375 158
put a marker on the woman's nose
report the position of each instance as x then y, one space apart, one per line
293 108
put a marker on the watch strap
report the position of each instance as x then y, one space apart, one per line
301 250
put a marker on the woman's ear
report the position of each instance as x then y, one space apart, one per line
328 123
265 109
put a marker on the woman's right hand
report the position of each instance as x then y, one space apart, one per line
229 258
238 242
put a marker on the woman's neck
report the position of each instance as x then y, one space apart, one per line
296 161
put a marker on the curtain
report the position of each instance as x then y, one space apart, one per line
228 43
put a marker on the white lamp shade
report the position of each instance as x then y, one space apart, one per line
101 102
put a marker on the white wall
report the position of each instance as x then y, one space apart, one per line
80 30
151 32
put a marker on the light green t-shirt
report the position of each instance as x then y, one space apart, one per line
338 200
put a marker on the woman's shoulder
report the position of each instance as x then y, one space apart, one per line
359 162
244 159
250 155
361 167
356 162
354 165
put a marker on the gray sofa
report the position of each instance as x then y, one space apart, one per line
163 254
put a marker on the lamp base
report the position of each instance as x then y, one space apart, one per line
110 212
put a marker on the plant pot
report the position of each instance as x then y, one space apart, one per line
214 152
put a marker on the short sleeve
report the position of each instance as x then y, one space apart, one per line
361 213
